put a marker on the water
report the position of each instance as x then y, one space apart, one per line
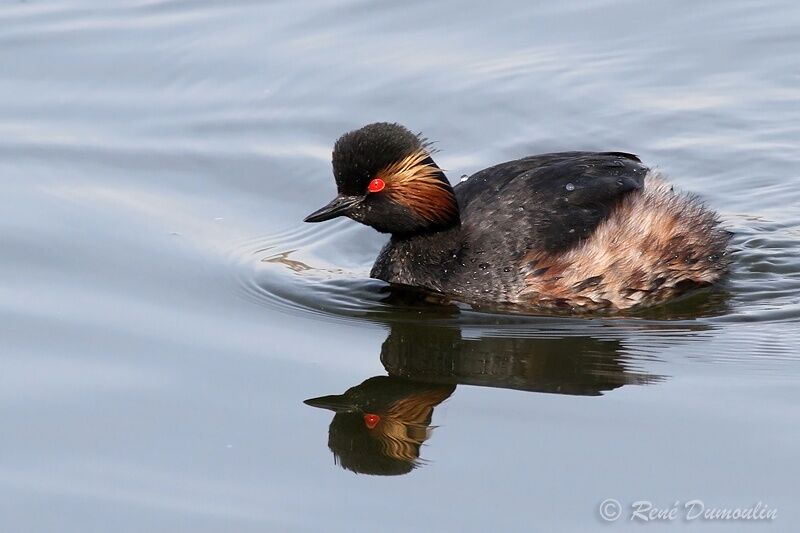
164 313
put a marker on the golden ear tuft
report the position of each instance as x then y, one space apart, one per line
417 183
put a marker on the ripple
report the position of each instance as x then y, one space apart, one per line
316 272
286 271
765 277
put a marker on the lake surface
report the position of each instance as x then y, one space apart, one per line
164 313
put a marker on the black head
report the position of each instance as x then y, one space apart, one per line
387 179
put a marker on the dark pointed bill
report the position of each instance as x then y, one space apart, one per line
338 207
337 403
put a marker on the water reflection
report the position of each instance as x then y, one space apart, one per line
435 344
579 365
380 424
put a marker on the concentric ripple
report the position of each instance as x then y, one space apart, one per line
322 272
289 271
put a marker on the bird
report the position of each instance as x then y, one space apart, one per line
574 232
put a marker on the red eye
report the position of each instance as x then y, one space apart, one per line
371 420
376 185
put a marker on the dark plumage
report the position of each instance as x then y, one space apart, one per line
574 230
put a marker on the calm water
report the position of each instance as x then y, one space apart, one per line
164 313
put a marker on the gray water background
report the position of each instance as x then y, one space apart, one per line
164 312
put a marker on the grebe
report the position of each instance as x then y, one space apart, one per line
574 231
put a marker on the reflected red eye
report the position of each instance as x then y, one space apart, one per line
371 420
376 185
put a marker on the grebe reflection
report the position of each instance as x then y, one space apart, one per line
381 424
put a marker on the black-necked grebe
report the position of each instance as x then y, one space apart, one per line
577 231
